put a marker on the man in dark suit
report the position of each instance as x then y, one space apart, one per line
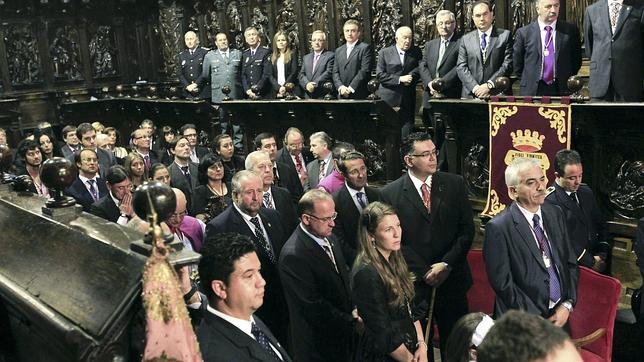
230 277
317 67
528 255
274 197
546 53
141 140
197 152
88 187
293 154
614 43
352 64
350 200
190 67
586 225
87 136
437 224
256 66
316 284
264 227
322 166
397 72
116 205
183 172
484 54
284 175
71 141
439 59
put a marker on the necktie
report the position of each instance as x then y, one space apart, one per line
186 173
575 199
441 53
259 234
267 201
276 176
427 201
321 173
92 189
548 57
299 168
483 46
315 62
402 57
329 253
146 161
262 339
615 7
226 57
252 53
361 199
555 289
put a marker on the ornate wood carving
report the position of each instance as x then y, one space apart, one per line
64 52
424 18
627 191
316 16
103 53
22 54
171 37
350 9
476 171
234 24
259 20
386 18
287 22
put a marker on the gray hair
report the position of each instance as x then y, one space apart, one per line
241 176
319 32
515 168
253 157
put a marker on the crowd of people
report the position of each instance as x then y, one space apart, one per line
321 266
301 258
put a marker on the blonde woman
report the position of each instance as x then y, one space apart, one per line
383 291
284 62
135 168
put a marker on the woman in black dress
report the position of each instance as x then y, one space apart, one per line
212 196
383 290
284 62
222 145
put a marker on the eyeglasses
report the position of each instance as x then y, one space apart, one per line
427 154
325 219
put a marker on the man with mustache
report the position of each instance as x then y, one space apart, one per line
528 255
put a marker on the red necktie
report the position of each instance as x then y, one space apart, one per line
425 190
299 168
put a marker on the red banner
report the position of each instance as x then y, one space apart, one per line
523 130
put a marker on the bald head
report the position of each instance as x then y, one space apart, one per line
404 38
175 220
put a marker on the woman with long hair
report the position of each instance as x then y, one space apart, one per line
212 196
284 62
48 147
135 168
383 290
222 145
114 143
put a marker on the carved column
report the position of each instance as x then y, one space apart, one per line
170 17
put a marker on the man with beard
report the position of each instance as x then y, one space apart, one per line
29 151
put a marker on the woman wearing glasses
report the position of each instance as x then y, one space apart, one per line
383 290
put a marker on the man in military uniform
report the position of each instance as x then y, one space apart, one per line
256 66
190 61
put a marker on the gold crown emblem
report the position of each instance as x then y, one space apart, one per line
527 140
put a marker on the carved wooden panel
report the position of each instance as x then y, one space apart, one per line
288 23
65 52
424 18
386 18
171 37
102 52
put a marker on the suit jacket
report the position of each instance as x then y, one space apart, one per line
106 208
220 72
446 69
221 341
498 62
514 262
285 157
319 299
283 202
79 192
346 224
615 59
528 56
178 180
353 71
586 226
67 151
323 73
273 311
313 172
189 71
388 71
290 180
256 70
105 160
290 74
444 235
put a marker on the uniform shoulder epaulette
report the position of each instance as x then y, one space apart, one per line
206 48
550 190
